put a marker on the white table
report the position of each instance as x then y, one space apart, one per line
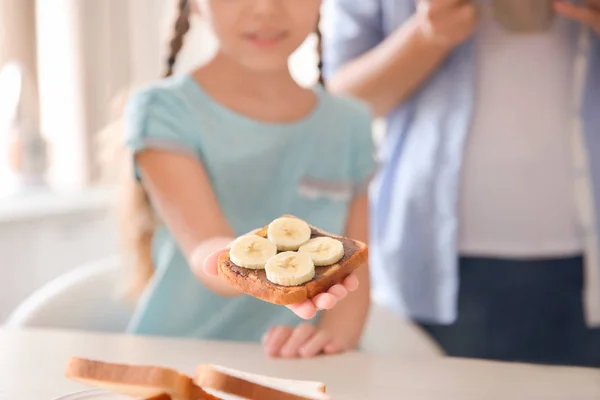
32 364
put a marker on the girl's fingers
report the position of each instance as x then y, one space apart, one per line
265 337
315 345
332 348
351 283
207 254
210 264
339 291
305 310
298 338
276 339
324 301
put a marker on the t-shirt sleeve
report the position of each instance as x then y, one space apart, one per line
159 118
364 163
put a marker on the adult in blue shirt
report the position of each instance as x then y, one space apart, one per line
487 209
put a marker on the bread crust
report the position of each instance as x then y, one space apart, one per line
208 377
160 383
165 381
256 284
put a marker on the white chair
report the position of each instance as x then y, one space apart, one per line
87 298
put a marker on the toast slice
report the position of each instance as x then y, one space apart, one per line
142 382
197 394
255 283
230 383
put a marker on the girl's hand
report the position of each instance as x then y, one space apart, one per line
588 15
447 22
306 340
307 309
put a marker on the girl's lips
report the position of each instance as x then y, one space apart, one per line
265 40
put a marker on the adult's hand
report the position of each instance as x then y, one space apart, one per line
588 14
447 22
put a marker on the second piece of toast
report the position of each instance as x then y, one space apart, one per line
244 385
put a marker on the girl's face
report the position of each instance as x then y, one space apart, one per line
262 34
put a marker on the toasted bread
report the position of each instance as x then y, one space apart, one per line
255 283
226 382
147 382
197 394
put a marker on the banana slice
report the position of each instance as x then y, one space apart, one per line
323 250
290 268
288 233
251 251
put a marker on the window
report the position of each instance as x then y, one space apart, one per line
77 58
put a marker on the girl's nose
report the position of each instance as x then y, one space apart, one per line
267 7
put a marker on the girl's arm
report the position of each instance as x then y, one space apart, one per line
180 190
346 322
390 73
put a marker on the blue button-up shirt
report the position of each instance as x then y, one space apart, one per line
414 197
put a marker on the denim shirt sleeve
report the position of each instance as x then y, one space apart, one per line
354 27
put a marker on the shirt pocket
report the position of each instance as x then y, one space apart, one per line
336 190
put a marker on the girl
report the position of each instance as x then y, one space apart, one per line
228 148
487 210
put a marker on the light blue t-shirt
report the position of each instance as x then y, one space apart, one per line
311 168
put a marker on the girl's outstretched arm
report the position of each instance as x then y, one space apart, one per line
181 192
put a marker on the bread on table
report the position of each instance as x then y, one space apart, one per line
222 382
289 261
211 382
136 381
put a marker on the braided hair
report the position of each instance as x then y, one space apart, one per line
320 52
182 26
